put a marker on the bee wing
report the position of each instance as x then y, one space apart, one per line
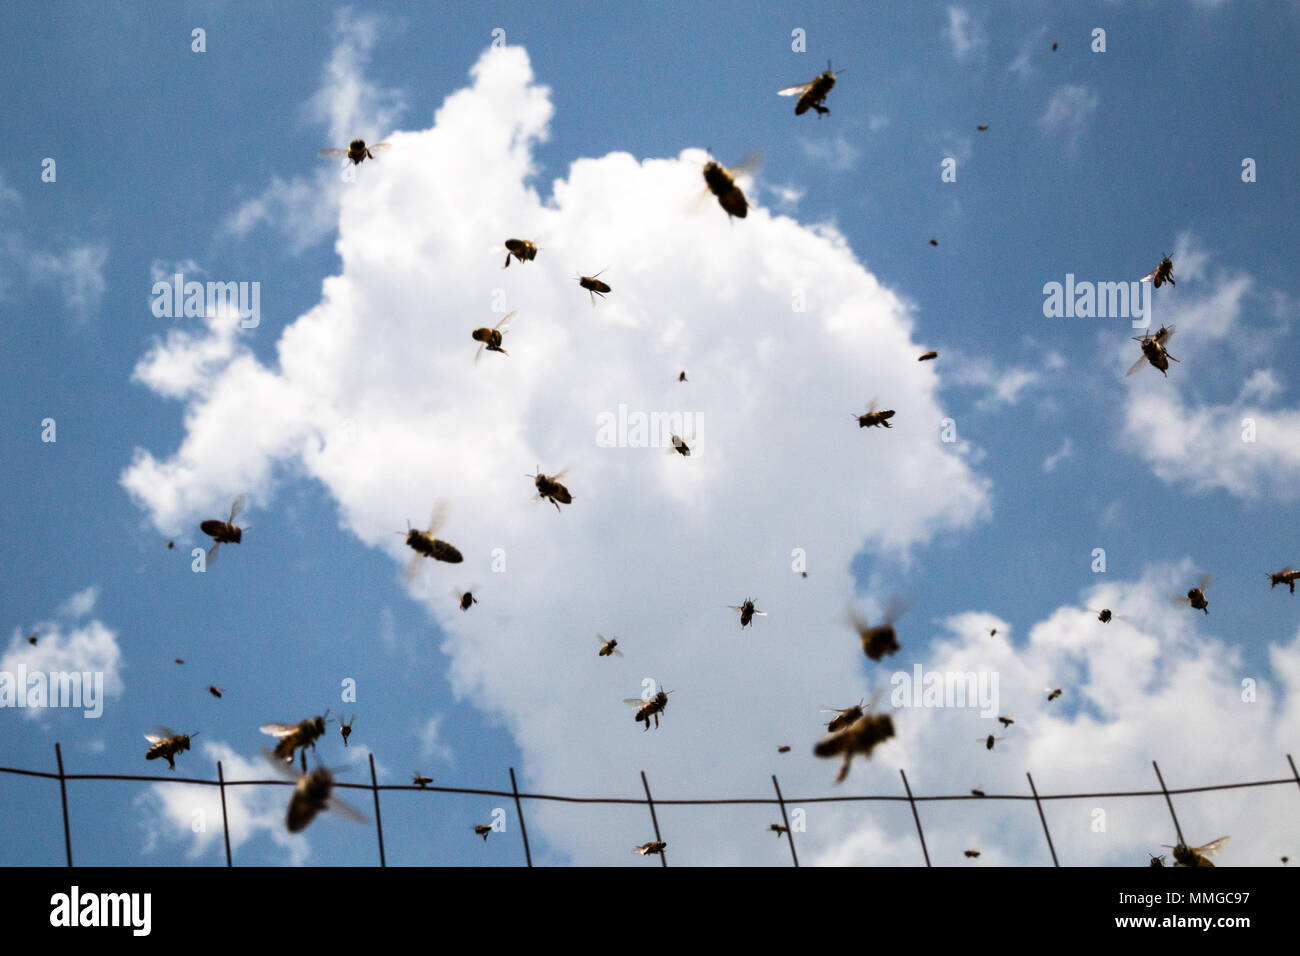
374 147
278 730
332 153
438 518
506 319
159 735
212 553
281 768
758 613
1214 846
635 701
412 569
1204 582
749 165
479 353
1136 365
1181 599
897 607
617 652
735 607
796 90
1164 335
237 507
346 810
872 407
560 474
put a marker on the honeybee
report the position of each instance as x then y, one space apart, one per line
972 853
521 249
551 489
722 183
216 691
296 736
682 376
1104 615
680 447
873 418
311 795
425 545
608 647
356 153
982 127
977 792
882 639
224 531
649 708
482 829
491 338
346 728
171 545
1154 351
747 612
989 741
860 737
1052 694
594 286
812 94
1054 45
420 780
1161 274
1285 860
844 718
167 744
648 849
1006 721
928 356
180 660
465 599
1196 596
1196 856
783 749
934 242
1285 576
1156 860
32 638
778 828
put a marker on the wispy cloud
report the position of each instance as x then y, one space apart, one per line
1068 112
965 33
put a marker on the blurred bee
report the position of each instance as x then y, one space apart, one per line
812 94
594 286
972 853
166 744
680 446
180 660
551 489
1054 47
311 795
928 356
1154 351
1196 596
1052 694
171 545
873 418
747 612
649 708
1006 721
993 632
521 249
778 828
296 736
482 829
420 781
356 153
216 691
682 376
844 718
1156 860
1285 576
722 183
982 127
425 545
1161 274
989 741
882 639
1285 860
491 338
977 792
649 849
1104 615
346 728
465 599
608 647
860 737
934 242
1196 856
783 749
224 531
32 638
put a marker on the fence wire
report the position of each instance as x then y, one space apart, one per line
650 802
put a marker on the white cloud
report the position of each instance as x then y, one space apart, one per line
1068 112
1001 386
77 271
432 744
1061 454
1021 64
965 33
835 152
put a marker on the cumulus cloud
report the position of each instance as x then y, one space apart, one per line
1068 113
965 33
1061 454
834 152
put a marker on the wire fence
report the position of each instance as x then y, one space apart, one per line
780 801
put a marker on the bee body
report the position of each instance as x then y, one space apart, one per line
521 249
1285 576
812 94
651 848
747 612
166 744
861 737
550 489
293 737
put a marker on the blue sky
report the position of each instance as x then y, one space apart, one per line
1094 164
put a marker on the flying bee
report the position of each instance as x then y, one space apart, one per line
1154 351
1006 721
465 599
778 828
312 794
425 545
594 286
722 183
928 356
1285 576
180 660
1285 860
934 242
32 638
1052 694
652 707
1161 274
420 780
860 737
482 829
982 127
989 741
216 691
356 153
977 792
1105 615
551 489
346 728
972 853
224 531
680 447
873 418
812 94
491 338
783 749
521 249
651 848
682 376
1196 596
993 632
171 545
882 639
296 736
1054 45
1196 856
1156 860
608 647
747 612
845 717
166 744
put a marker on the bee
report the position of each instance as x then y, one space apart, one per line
873 418
1006 721
972 854
844 718
171 545
551 489
1052 694
32 638
747 612
311 795
651 848
722 183
1196 856
482 829
882 639
1104 615
166 744
977 792
594 286
356 153
680 446
778 828
420 781
1154 351
491 338
1196 596
465 599
425 545
521 249
682 376
224 531
860 737
982 127
180 660
1285 576
812 94
928 356
989 741
783 749
1161 274
652 707
216 691
1053 47
1156 860
1285 860
993 632
295 736
608 647
346 728
934 242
